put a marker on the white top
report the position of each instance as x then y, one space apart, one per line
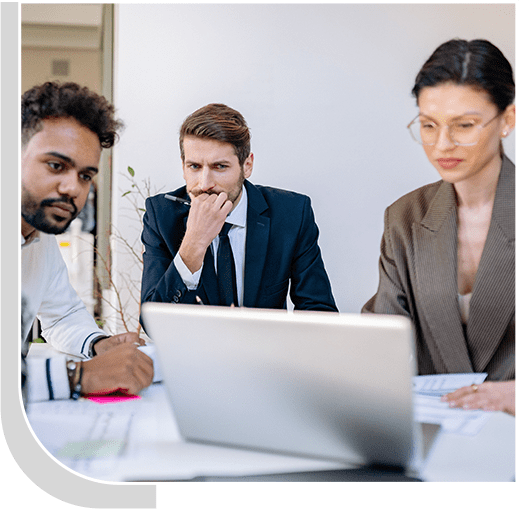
66 323
464 303
237 236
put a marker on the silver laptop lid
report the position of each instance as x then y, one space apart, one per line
326 385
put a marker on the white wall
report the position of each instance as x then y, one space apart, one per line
325 89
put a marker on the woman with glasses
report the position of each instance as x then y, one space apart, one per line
448 250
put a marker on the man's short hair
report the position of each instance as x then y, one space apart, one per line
68 100
221 123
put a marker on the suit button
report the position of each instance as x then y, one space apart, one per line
175 298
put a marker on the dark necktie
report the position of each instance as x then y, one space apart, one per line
226 270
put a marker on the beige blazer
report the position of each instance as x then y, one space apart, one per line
418 279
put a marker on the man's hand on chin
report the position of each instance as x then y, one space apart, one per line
107 344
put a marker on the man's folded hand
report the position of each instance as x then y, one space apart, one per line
107 344
123 366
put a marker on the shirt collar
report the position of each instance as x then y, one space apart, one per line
33 237
238 216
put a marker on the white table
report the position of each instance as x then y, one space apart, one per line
156 452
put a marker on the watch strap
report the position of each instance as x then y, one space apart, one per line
75 374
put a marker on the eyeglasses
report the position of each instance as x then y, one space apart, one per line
462 132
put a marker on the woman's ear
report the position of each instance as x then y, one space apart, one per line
509 118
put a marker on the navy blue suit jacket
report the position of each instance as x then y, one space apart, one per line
280 248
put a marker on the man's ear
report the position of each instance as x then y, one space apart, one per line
247 165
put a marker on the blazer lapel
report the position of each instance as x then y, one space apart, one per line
435 244
256 244
492 305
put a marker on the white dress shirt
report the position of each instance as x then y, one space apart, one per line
66 323
237 236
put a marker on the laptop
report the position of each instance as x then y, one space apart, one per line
313 384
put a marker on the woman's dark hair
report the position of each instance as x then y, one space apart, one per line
477 63
221 123
68 100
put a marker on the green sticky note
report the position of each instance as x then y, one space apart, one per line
91 449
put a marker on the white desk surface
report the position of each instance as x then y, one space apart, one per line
156 452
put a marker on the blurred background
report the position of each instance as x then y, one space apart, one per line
66 42
325 89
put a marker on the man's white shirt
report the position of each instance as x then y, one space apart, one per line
66 323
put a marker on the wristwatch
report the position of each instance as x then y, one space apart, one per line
75 374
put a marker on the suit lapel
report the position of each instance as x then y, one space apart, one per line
493 299
435 244
256 244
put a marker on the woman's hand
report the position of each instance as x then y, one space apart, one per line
486 396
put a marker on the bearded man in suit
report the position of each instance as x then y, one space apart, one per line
270 234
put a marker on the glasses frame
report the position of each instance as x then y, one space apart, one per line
479 126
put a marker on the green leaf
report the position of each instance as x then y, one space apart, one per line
131 171
142 210
124 194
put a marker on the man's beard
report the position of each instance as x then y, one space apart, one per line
233 194
34 214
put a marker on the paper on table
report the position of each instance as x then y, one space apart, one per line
438 385
86 437
428 408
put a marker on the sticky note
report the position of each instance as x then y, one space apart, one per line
112 398
91 449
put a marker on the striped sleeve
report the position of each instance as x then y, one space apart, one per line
47 379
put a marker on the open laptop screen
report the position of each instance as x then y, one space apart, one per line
325 385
